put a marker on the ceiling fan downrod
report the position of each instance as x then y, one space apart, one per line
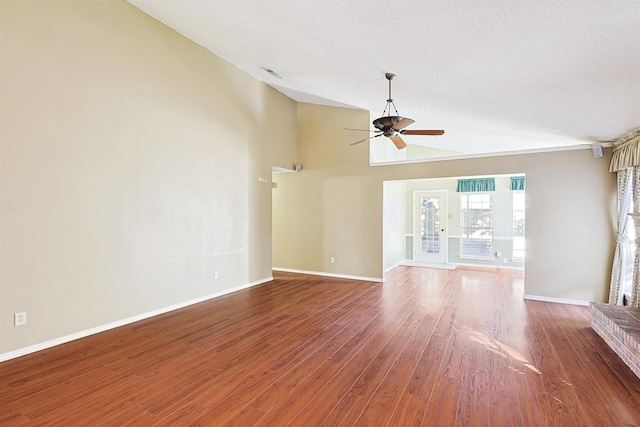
387 108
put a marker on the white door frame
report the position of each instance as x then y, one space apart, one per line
442 256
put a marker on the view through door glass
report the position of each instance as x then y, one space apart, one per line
429 234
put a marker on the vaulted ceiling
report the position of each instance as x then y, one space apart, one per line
497 75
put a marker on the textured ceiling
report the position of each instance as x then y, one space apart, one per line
497 75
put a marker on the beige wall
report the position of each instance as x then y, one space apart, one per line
334 208
331 205
129 165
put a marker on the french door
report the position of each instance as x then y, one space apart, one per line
430 225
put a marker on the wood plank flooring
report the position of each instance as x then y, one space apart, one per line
428 347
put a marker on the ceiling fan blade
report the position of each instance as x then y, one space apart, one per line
366 139
399 142
361 130
423 132
402 124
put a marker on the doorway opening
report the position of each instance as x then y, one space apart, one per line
447 222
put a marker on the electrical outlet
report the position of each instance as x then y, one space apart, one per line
504 260
333 260
215 274
20 318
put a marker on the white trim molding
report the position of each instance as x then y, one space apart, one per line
494 266
491 154
112 325
478 257
321 273
412 263
454 236
556 300
394 266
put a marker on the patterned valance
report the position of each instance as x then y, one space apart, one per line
626 152
476 185
517 183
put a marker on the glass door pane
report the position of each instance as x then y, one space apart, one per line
430 225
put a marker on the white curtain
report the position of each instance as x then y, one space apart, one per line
626 161
635 287
619 267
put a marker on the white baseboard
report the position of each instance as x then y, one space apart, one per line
81 334
411 263
556 300
394 266
321 273
494 266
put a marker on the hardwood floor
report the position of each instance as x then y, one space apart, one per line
427 347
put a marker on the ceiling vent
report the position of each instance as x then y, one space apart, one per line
273 72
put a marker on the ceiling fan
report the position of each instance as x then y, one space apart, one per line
394 126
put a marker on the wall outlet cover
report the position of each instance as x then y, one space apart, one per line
20 318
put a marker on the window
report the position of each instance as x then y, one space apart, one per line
476 225
518 225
